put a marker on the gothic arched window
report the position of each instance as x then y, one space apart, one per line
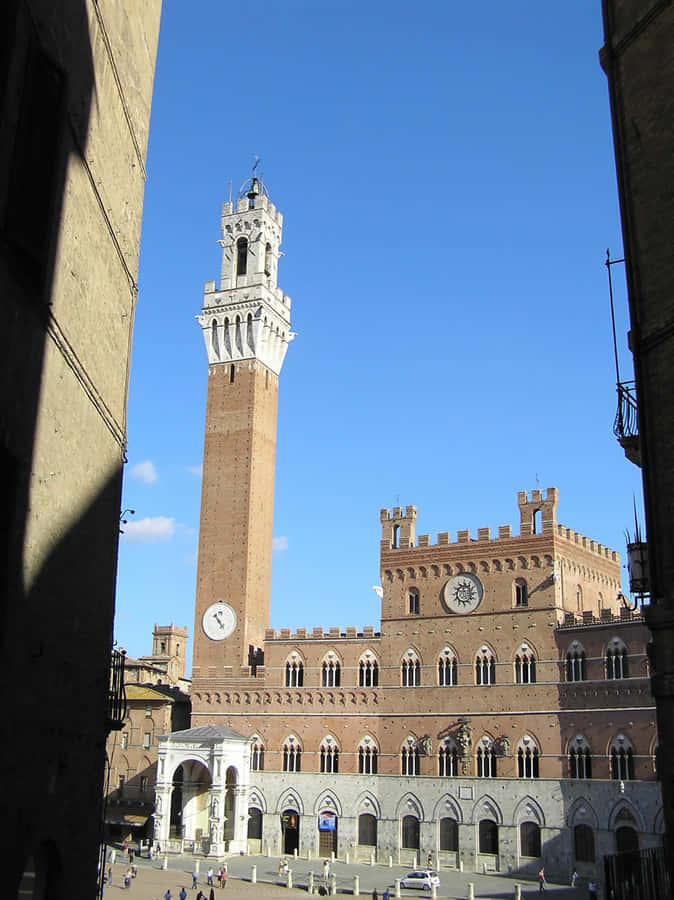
525 666
448 758
368 671
329 755
447 669
622 759
485 667
294 673
331 673
410 670
576 664
580 758
409 757
367 757
257 755
485 759
527 758
616 659
292 756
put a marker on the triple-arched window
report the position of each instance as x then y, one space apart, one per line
576 663
292 755
485 667
616 659
367 757
331 673
527 758
368 670
485 758
525 665
410 670
580 758
409 758
448 758
448 668
294 672
329 755
622 759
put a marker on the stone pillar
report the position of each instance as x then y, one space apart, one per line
356 886
216 799
239 842
162 813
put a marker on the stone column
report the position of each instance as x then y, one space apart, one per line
239 841
162 813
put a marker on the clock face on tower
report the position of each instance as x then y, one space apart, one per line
463 593
219 621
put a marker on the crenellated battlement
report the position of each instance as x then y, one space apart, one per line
351 632
243 205
538 515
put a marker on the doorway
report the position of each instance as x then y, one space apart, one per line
327 834
290 831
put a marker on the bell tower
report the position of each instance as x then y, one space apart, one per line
246 328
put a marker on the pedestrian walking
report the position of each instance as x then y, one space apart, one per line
209 877
223 879
429 860
326 870
183 893
211 896
158 849
167 895
130 855
200 896
150 852
195 878
574 878
127 878
592 890
541 881
375 895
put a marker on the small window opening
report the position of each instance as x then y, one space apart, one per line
241 256
231 374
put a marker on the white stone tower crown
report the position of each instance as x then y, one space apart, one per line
249 316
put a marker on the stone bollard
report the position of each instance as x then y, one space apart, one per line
332 856
460 865
113 856
390 862
333 885
471 891
416 865
295 852
371 858
253 875
518 892
396 887
196 865
356 886
434 892
346 857
310 883
164 862
290 878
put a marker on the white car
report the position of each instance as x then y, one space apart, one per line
422 879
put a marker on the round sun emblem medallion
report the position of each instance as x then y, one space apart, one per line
463 593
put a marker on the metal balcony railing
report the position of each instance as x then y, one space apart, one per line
117 693
626 424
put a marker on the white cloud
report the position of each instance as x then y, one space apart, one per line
195 470
149 530
279 544
145 472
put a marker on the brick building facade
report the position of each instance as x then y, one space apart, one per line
498 716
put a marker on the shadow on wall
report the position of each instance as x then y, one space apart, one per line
55 637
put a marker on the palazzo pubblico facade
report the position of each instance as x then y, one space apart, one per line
499 716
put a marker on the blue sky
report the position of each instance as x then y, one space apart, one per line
447 180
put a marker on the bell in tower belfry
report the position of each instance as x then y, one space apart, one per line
246 329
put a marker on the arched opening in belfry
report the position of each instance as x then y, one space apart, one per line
241 256
230 804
